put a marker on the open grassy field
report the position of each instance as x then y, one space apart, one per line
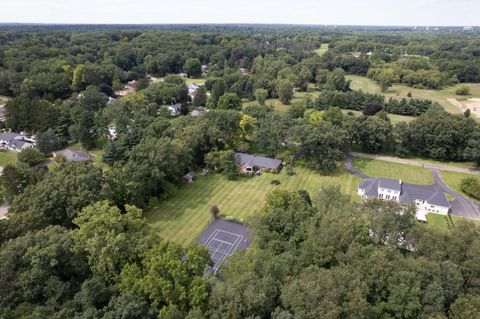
407 173
454 179
297 97
400 91
183 216
7 157
323 49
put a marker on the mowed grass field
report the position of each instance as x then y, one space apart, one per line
407 173
182 217
399 91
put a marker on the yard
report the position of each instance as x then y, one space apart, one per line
183 216
444 223
7 157
407 173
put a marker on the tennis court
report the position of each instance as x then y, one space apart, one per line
222 239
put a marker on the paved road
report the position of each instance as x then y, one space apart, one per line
417 163
461 206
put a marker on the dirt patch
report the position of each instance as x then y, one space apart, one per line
472 104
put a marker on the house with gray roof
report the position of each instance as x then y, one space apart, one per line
15 141
426 198
74 156
175 109
250 163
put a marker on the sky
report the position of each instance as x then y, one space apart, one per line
331 12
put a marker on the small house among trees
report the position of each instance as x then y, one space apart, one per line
251 163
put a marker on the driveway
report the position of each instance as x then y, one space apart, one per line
349 167
461 206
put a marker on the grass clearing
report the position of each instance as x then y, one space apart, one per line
7 157
363 83
183 216
407 173
297 97
323 49
394 118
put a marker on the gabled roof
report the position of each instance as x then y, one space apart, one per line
393 184
260 161
75 156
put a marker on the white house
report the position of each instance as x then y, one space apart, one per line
15 141
175 109
426 198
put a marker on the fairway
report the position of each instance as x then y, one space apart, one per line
399 91
183 216
407 173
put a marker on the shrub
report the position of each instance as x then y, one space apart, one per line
471 186
463 90
372 109
30 156
214 210
275 182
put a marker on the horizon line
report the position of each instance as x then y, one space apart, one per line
235 23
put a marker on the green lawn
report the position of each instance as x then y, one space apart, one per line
363 83
7 157
323 49
183 216
444 223
407 173
454 179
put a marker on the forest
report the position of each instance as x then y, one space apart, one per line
76 245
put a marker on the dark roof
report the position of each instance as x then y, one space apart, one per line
393 184
409 192
254 160
75 156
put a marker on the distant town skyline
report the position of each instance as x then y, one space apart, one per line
338 12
